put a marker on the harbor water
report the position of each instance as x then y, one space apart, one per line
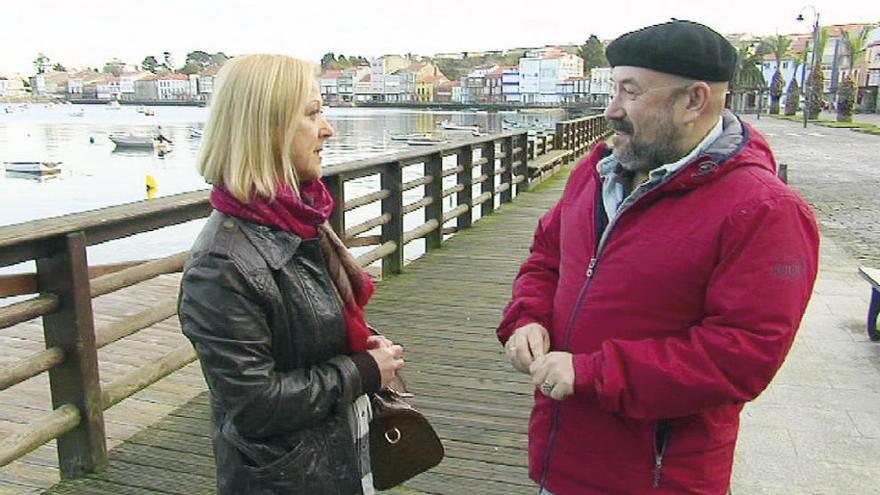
95 175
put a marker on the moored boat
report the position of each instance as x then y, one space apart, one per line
33 168
449 126
142 142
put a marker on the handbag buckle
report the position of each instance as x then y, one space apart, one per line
393 436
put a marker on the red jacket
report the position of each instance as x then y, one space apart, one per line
688 311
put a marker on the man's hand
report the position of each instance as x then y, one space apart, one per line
553 375
527 343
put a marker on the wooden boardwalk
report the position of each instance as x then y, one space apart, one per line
443 309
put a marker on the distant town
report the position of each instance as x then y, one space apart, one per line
772 73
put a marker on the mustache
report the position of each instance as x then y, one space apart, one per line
620 125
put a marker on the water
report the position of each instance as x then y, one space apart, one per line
95 175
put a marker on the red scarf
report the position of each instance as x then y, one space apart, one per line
306 218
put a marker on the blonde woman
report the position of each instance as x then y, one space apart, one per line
271 299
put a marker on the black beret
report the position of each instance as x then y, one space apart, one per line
683 48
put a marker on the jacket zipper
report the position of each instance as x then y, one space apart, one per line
661 441
591 269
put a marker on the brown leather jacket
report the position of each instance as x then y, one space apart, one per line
261 311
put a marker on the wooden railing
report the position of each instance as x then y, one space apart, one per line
487 172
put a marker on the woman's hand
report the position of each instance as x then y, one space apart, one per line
377 341
389 359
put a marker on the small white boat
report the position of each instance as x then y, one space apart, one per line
415 135
424 141
142 142
449 126
113 105
34 168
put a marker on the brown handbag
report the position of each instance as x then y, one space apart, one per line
402 442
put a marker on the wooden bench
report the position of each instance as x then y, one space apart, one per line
872 275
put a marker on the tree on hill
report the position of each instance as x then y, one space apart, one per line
168 62
58 67
40 63
150 64
114 66
593 53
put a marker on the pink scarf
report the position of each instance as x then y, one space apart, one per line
307 218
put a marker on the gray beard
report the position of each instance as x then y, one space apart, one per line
642 156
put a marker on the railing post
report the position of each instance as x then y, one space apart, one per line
561 137
434 190
523 163
488 206
75 381
507 164
336 186
465 159
391 179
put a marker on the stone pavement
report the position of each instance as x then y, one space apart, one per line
816 429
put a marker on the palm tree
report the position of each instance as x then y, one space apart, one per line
793 93
817 79
855 44
779 46
747 74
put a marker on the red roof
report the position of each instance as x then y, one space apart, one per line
331 74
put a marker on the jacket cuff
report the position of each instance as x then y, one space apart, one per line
371 377
586 371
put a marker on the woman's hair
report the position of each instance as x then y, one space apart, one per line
257 104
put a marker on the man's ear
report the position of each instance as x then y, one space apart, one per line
697 100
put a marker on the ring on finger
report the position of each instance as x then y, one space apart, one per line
547 386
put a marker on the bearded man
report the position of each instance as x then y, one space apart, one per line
665 288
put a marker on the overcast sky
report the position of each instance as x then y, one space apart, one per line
87 34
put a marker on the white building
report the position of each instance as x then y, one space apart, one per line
600 86
174 87
510 85
543 72
329 84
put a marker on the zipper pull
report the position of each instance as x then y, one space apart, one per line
591 268
658 467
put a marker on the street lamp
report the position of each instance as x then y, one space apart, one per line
811 91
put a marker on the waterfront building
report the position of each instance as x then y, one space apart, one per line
575 89
329 83
510 84
119 88
541 72
347 84
600 86
205 84
427 87
473 85
494 83
174 87
12 87
448 92
52 83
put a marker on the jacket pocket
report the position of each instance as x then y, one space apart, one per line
272 458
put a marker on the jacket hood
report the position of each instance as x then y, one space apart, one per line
739 145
